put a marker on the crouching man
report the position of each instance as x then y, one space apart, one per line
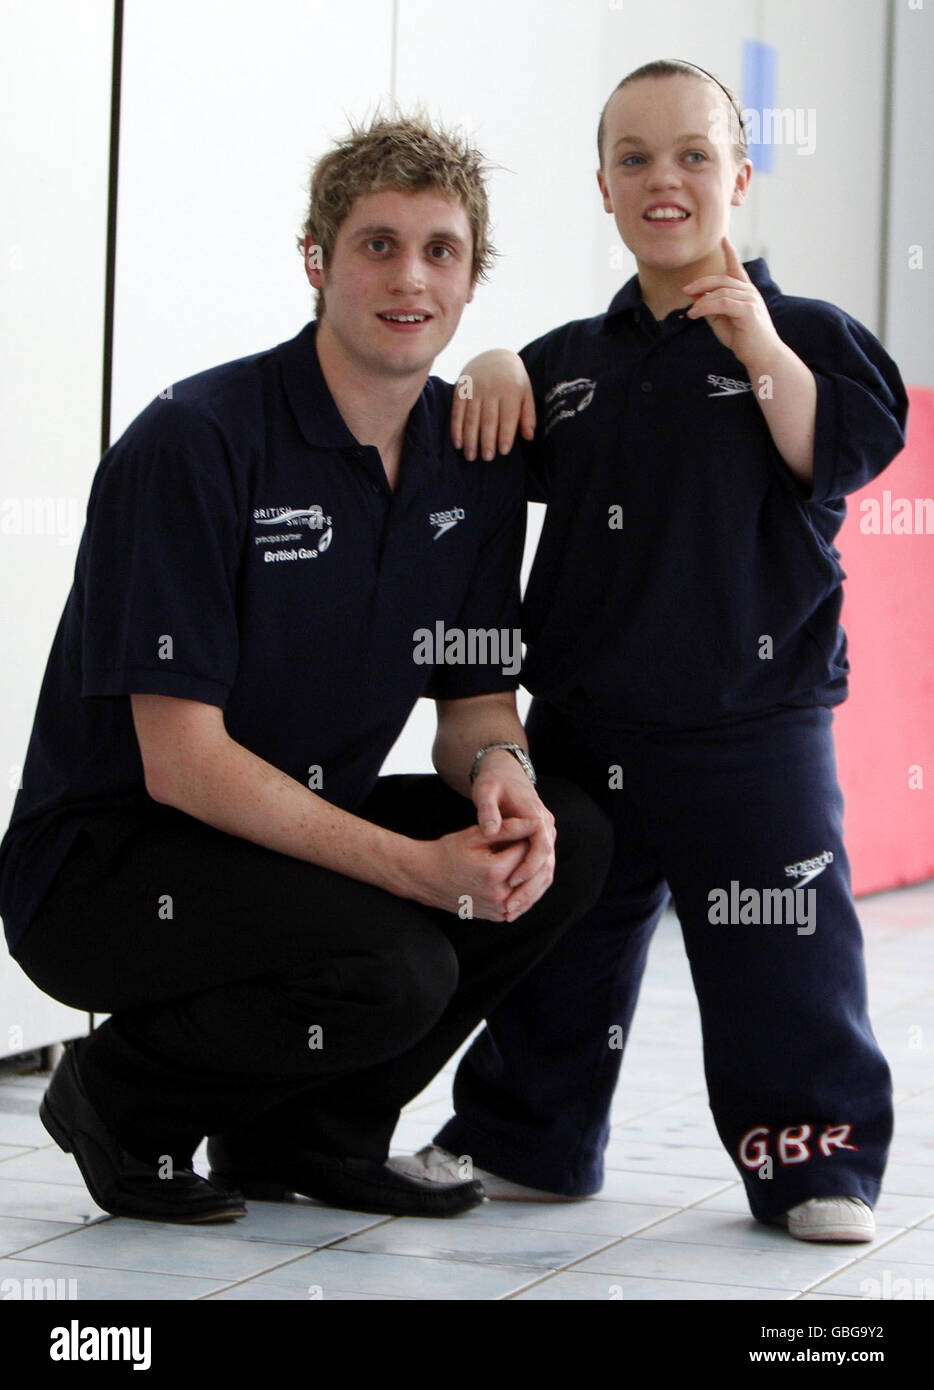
290 946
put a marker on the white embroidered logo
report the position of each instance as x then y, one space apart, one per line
445 520
288 522
728 386
806 869
567 398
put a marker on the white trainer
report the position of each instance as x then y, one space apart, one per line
434 1164
831 1218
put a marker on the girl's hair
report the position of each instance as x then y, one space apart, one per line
680 67
397 151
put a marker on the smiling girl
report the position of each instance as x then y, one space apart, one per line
695 444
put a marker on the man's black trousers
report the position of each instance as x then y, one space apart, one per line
252 993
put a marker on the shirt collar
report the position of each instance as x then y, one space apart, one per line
629 298
318 417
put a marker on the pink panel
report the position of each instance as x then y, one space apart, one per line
885 730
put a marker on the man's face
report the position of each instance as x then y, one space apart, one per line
668 174
397 280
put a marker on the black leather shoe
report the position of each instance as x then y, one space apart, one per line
119 1182
357 1184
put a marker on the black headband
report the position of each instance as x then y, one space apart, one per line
731 99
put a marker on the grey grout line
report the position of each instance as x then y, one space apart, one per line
654 1109
179 1274
664 1279
640 1233
619 1240
535 1270
262 1240
869 1254
176 1274
327 1245
109 1269
695 1278
37 1245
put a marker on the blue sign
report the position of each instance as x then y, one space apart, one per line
760 65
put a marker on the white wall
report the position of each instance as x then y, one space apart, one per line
224 104
815 217
520 77
910 330
55 93
821 213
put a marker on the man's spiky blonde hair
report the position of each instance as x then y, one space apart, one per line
397 151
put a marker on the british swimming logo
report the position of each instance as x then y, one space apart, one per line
285 526
566 399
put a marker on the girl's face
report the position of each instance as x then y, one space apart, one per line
669 176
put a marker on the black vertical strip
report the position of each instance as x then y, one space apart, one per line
110 278
107 383
885 216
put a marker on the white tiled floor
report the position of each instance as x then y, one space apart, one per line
671 1222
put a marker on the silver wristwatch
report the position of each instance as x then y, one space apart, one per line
520 754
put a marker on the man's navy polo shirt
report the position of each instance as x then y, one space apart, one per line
242 549
655 615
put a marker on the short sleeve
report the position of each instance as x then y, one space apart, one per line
159 560
862 405
493 603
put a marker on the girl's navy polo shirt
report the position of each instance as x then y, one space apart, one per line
242 549
684 576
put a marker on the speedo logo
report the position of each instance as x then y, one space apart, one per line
445 520
728 385
806 869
